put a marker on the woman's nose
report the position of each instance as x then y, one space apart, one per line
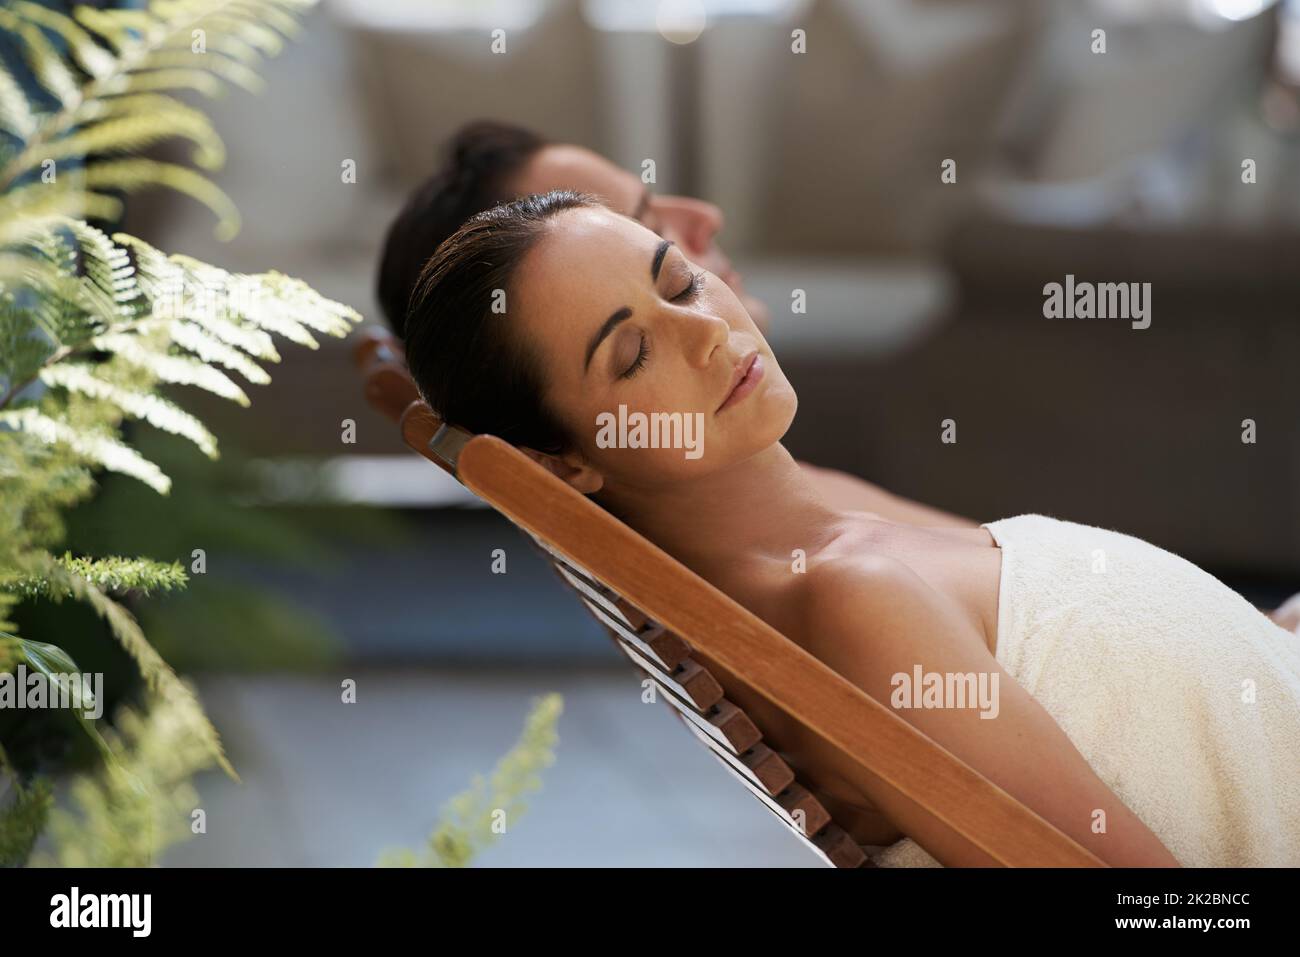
701 334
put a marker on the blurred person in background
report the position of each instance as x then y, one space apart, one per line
490 162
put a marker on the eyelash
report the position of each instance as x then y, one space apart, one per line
697 282
643 352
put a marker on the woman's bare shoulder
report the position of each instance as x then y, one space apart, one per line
862 589
869 594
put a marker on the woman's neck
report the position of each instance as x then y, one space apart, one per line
764 507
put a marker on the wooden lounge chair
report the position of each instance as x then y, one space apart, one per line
713 661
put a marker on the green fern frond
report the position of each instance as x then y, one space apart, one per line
126 812
194 79
96 448
172 319
22 819
15 113
157 674
173 369
56 664
123 30
130 175
111 574
47 66
133 132
89 55
91 325
209 348
131 62
145 406
240 39
106 264
34 206
470 820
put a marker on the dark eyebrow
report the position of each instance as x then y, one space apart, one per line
609 326
660 251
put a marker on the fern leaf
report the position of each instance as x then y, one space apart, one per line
22 820
232 71
132 174
126 812
90 56
46 64
56 664
195 79
183 120
128 134
210 349
226 44
15 112
97 449
116 574
107 264
123 30
282 21
146 406
466 824
157 674
33 207
177 370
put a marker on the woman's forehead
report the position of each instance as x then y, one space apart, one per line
583 267
585 245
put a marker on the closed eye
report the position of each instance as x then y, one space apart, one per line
643 353
692 288
689 292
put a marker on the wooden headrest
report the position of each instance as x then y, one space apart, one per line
388 385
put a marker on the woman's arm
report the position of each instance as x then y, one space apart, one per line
853 494
873 618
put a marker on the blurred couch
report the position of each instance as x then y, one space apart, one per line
1091 420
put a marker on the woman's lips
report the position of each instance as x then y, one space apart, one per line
748 373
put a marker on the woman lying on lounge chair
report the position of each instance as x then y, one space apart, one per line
1131 699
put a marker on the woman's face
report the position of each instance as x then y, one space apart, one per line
691 223
619 317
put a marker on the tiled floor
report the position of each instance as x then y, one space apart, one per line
333 784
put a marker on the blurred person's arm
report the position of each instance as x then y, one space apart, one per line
850 492
1287 614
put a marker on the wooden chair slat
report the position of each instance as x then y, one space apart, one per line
763 767
419 425
838 848
832 844
648 642
594 599
875 741
689 681
387 384
631 612
759 764
725 723
377 345
390 389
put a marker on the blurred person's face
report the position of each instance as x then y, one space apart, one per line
619 316
690 223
